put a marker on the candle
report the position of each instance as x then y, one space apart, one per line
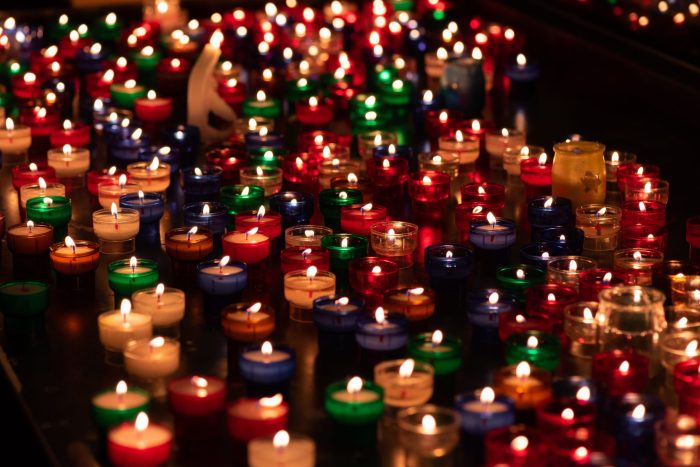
118 327
53 210
368 141
268 224
428 431
315 112
249 247
649 190
541 253
29 174
632 423
29 239
249 418
536 175
126 276
678 443
152 176
358 219
637 264
302 287
270 179
191 245
537 348
382 332
332 200
600 225
406 383
40 190
354 402
201 183
282 449
73 258
440 161
613 160
220 278
125 94
442 353
566 270
492 234
336 168
593 281
301 257
247 321
24 304
619 372
109 193
578 172
69 162
581 328
107 176
485 307
466 147
196 396
516 445
211 215
448 265
71 134
514 155
429 191
14 139
651 213
629 173
141 443
263 364
241 198
118 405
482 411
550 301
294 207
497 141
516 279
372 276
526 386
491 194
151 359
387 172
116 228
165 305
150 207
262 106
336 314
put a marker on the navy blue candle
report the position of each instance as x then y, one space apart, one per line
402 151
539 254
337 314
492 234
448 264
202 183
484 308
522 71
212 215
221 277
482 410
186 139
165 154
150 209
571 237
90 59
265 364
632 421
574 387
296 208
382 332
126 150
549 211
263 139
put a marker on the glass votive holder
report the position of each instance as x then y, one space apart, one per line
566 270
592 281
516 279
482 410
485 308
406 382
686 382
387 172
681 318
414 302
549 211
212 215
514 322
429 192
536 175
302 287
643 236
498 140
651 213
491 194
581 327
306 235
294 207
677 440
516 445
428 432
396 240
637 264
647 189
268 178
371 276
440 161
466 147
301 257
631 317
550 300
37 190
613 160
201 183
367 141
448 265
601 226
677 347
151 176
618 372
537 348
514 155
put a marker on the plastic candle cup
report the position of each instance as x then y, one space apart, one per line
302 287
262 106
219 278
442 353
485 308
545 212
643 236
126 276
497 141
315 112
301 257
613 160
241 198
482 411
247 321
139 443
150 207
263 138
537 348
53 210
448 265
128 148
354 402
336 168
382 333
536 175
368 141
370 277
267 223
265 365
601 226
125 94
108 29
189 245
14 139
632 423
466 147
249 418
118 405
294 207
29 240
492 239
39 190
109 193
23 305
651 213
619 372
566 270
516 445
29 174
578 172
514 323
72 134
201 183
581 328
282 449
387 172
396 240
566 236
485 193
250 247
153 109
196 396
429 191
414 302
332 200
230 157
343 248
152 359
165 305
116 228
516 279
211 215
358 219
647 190
550 300
337 314
118 327
514 155
152 176
628 173
677 440
592 281
527 386
637 264
406 383
686 380
676 347
107 176
440 161
268 178
428 431
69 162
74 259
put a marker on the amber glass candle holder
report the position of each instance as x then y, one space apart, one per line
75 265
395 240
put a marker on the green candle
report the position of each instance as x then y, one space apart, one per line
354 402
23 304
371 120
53 210
383 76
262 106
443 353
10 68
402 5
300 89
344 247
516 279
266 157
146 62
535 347
332 199
107 29
239 198
59 29
117 405
397 93
363 103
126 276
124 94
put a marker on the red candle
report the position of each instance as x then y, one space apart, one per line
686 378
232 91
294 258
139 444
230 159
491 194
123 70
387 171
98 84
649 213
195 396
153 109
28 174
516 323
74 134
550 300
172 74
267 223
42 60
440 123
478 128
516 446
26 86
111 176
249 247
69 45
562 417
429 187
643 236
359 218
536 174
301 168
372 276
630 173
316 112
254 418
41 120
592 281
316 138
618 372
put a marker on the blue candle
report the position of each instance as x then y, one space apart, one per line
571 237
448 264
126 150
522 71
337 314
222 278
296 208
402 151
492 234
263 138
202 183
90 59
150 209
186 139
212 215
166 154
484 308
382 332
539 254
574 387
482 410
548 211
632 424
265 364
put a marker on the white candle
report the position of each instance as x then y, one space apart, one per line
152 358
68 161
165 305
115 224
282 450
118 327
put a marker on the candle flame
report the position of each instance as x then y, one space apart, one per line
40 112
493 298
477 54
261 96
216 39
125 308
29 77
567 414
548 202
42 184
133 262
542 160
427 180
266 348
476 125
155 163
429 424
477 210
520 274
141 423
9 124
69 242
273 401
306 252
436 337
640 170
521 60
522 370
366 207
607 278
487 395
122 179
573 265
551 297
245 191
199 382
376 269
691 350
532 342
379 315
583 394
545 255
639 412
48 201
224 261
449 254
647 187
441 54
308 233
624 367
406 368
587 313
637 255
491 219
520 319
343 195
519 443
311 272
354 385
136 135
437 159
259 171
121 388
642 207
443 117
428 96
386 164
157 342
280 440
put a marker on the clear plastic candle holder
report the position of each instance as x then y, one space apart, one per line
637 264
485 307
514 322
440 161
428 440
302 287
631 317
566 270
116 231
548 211
337 314
212 215
406 383
152 359
268 178
358 218
677 441
184 246
466 147
497 141
613 160
601 226
396 240
335 168
387 172
647 189
539 254
676 347
306 235
165 305
581 327
516 279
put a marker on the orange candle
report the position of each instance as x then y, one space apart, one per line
73 258
248 322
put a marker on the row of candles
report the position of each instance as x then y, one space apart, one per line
566 211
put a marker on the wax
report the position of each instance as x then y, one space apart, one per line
406 383
133 445
152 358
250 247
165 305
118 327
294 451
247 321
250 418
263 364
112 407
196 396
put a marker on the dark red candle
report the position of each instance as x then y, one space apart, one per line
98 84
592 281
26 86
441 123
561 416
618 372
492 194
650 213
686 379
359 218
550 300
28 174
294 258
387 171
469 211
300 168
75 134
372 276
41 120
254 418
232 91
139 444
268 223
196 396
153 109
316 138
516 323
69 45
536 174
629 173
123 70
95 177
315 112
516 446
643 236
429 187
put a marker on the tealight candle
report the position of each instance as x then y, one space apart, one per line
550 300
305 235
493 236
189 245
118 327
336 168
628 173
677 347
126 276
466 147
24 304
619 372
637 264
440 161
382 332
536 175
118 405
632 423
196 396
302 287
336 314
241 198
269 179
40 190
372 276
262 106
593 281
116 228
219 278
109 193
301 257
406 383
537 348
29 174
151 359
201 183
566 270
69 162
647 190
526 386
497 141
613 160
643 236
282 449
14 139
263 364
490 194
581 328
354 402
485 307
71 258
211 215
516 279
29 240
515 445
139 443
152 176
249 418
429 191
482 411
514 155
153 109
125 94
442 353
643 212
53 210
165 305
248 321
250 247
428 431
71 134
150 207
368 141
95 177
600 225
387 172
358 219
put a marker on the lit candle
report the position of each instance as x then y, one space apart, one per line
196 396
527 386
263 364
165 305
382 332
118 327
139 443
406 383
152 359
247 321
282 449
302 287
354 402
117 405
250 418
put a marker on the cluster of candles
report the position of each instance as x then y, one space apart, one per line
342 82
